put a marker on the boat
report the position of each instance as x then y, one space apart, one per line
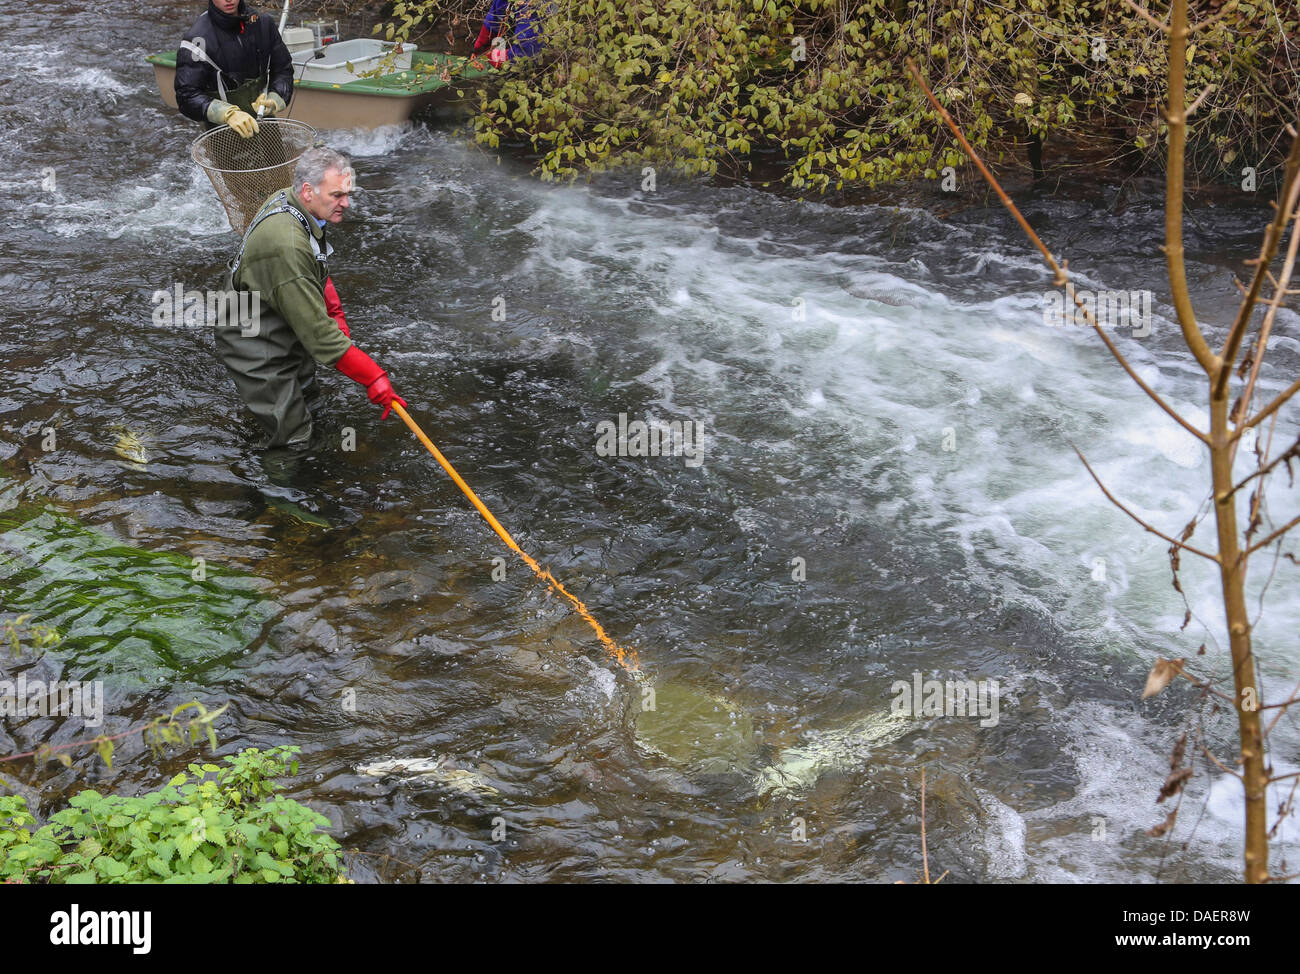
331 89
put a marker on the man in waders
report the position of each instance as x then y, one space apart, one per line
271 346
231 63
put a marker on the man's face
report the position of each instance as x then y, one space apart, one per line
329 199
226 6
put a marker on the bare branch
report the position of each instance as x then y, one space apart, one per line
1060 277
1267 251
1211 21
1176 117
1291 453
1270 409
1145 15
1199 98
925 858
1160 534
1222 767
1272 537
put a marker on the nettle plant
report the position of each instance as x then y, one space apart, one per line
213 825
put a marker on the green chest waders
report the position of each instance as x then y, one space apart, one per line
271 369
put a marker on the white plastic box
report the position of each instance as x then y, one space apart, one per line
298 39
364 54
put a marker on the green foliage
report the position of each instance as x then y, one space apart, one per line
214 825
18 626
693 86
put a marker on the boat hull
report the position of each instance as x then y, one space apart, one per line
366 104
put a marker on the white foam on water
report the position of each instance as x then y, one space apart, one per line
1225 805
894 364
178 198
1004 838
55 66
596 684
368 143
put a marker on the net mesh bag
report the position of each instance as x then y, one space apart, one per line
245 172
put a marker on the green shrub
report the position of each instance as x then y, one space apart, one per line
696 85
214 825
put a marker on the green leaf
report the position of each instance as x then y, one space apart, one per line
158 866
110 866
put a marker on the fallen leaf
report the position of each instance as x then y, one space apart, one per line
1180 748
1161 674
1156 831
1174 783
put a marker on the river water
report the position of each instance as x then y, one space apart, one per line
887 488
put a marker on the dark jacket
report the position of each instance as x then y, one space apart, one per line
247 46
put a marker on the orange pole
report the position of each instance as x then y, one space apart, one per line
625 658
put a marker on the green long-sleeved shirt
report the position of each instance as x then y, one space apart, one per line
279 263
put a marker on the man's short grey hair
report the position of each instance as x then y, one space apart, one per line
315 162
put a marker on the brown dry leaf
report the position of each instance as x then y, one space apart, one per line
1161 674
1156 831
1180 748
1174 783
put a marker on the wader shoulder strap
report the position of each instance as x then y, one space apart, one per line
199 54
284 207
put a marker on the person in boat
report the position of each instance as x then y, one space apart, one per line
526 42
231 63
297 321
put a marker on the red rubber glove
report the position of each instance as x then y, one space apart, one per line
360 367
334 307
498 56
483 38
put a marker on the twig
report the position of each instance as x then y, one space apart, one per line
1272 537
1270 409
1221 766
925 857
51 748
1269 467
1210 21
1060 277
1268 250
1175 258
1160 534
1145 15
1199 98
